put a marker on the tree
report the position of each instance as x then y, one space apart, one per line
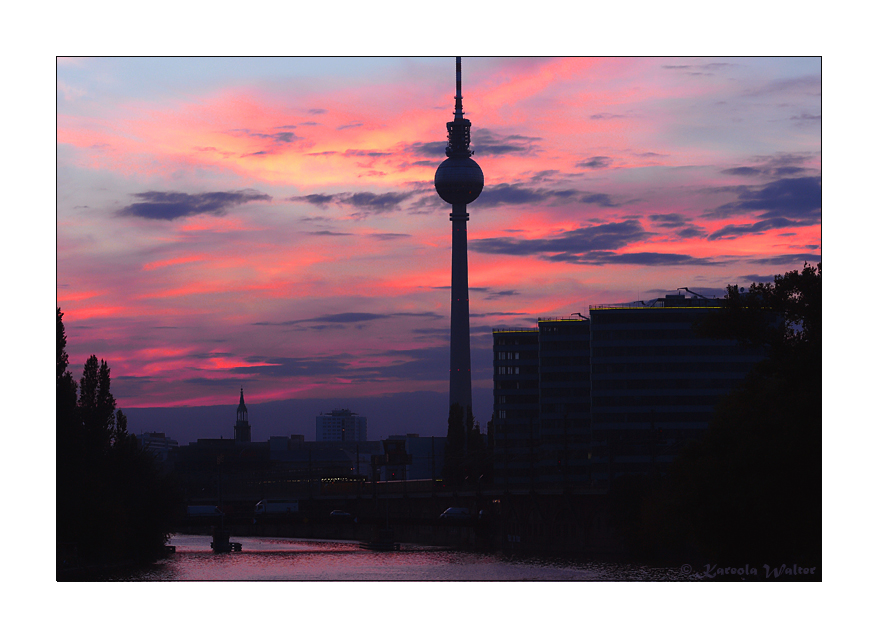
750 490
113 502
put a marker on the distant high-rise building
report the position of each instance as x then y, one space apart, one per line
459 181
157 444
564 399
656 381
242 426
340 426
582 401
516 420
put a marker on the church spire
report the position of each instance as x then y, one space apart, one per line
242 426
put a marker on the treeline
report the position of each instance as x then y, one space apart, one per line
749 492
114 505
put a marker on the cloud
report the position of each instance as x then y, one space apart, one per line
570 244
778 166
485 142
426 149
735 230
390 236
798 199
639 259
170 205
593 245
430 363
515 194
789 258
595 162
677 222
808 84
350 318
698 69
366 202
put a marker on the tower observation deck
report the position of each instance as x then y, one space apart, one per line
459 182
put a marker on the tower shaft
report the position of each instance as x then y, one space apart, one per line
459 181
460 389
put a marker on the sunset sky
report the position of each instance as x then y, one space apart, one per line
272 223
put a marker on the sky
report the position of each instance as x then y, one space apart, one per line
271 223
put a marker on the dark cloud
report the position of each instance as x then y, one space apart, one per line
375 201
515 194
170 205
390 236
735 230
349 318
780 166
784 202
746 171
317 111
485 142
590 245
279 136
640 259
426 149
318 199
365 201
570 245
605 116
788 259
595 162
677 222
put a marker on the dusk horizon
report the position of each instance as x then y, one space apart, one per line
272 224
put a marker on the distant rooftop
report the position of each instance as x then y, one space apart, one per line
674 300
678 300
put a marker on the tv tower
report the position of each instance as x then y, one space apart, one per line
459 181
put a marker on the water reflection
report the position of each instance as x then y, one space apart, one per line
268 559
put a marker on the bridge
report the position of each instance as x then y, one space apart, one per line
551 521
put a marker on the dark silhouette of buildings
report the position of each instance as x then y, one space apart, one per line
459 182
581 401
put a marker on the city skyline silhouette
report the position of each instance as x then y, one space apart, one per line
273 224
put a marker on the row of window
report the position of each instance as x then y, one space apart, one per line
700 418
688 350
665 383
616 401
634 368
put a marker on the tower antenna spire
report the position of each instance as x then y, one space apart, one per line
459 108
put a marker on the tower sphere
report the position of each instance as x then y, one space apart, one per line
459 180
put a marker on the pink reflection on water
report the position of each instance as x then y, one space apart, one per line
270 559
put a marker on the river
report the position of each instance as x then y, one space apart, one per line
280 559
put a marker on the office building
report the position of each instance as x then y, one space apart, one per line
580 401
340 426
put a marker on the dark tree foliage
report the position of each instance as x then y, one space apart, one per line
114 505
750 491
